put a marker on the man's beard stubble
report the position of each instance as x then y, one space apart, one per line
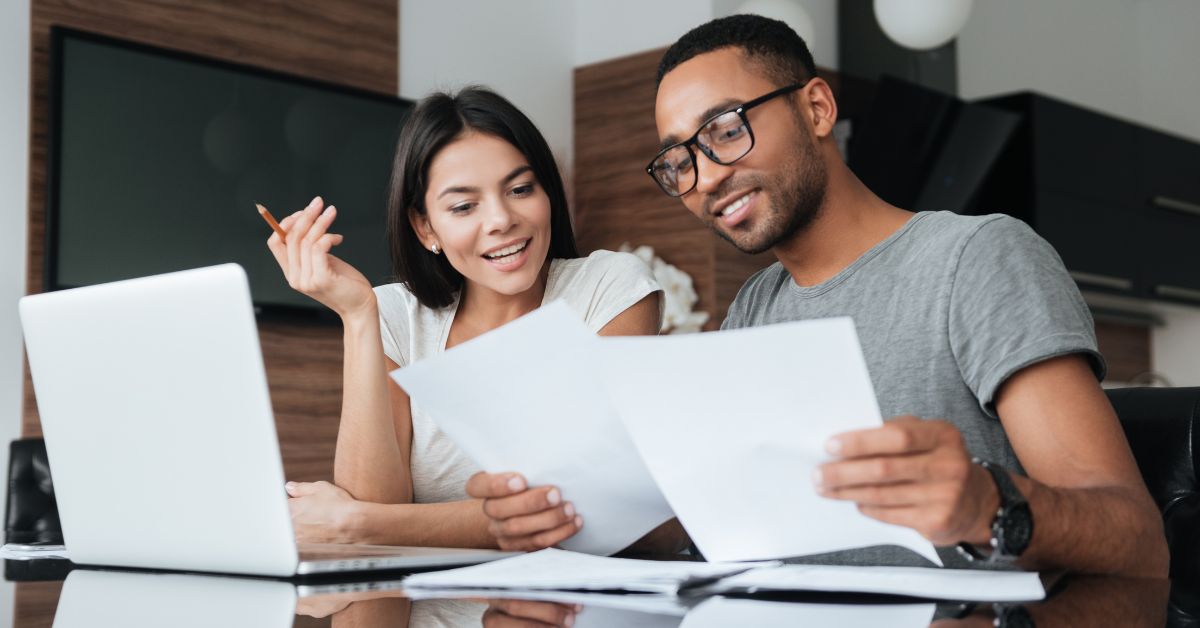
797 194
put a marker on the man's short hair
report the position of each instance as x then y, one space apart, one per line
780 52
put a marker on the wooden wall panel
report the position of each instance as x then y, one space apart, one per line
351 42
615 202
35 603
1126 349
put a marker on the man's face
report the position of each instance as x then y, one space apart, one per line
773 192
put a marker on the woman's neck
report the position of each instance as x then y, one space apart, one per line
481 309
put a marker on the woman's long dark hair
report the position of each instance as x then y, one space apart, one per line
436 121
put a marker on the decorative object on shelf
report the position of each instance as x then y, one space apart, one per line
789 12
922 24
679 296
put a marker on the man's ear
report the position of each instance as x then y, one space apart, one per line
821 106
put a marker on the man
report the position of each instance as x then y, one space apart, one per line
978 343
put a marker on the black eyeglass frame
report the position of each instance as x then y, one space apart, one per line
691 141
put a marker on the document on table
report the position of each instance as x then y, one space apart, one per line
733 424
526 398
555 569
975 585
716 612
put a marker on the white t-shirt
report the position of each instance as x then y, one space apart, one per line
597 287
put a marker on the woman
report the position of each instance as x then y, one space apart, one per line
480 235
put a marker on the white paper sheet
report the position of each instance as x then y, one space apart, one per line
935 584
527 398
734 612
732 425
561 570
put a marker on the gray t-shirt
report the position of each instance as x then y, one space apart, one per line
947 308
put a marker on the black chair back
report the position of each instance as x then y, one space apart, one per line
1160 424
31 515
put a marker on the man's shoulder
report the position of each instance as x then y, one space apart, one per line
758 290
955 230
769 280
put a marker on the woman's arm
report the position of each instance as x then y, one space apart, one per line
375 434
324 513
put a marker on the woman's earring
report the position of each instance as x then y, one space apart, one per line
435 249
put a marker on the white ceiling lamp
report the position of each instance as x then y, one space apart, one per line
787 11
922 24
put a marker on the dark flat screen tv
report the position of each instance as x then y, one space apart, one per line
156 159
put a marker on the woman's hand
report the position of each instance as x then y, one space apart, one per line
522 518
312 270
503 613
322 513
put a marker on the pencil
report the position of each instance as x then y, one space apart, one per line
262 211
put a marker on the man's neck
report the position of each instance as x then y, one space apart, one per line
850 222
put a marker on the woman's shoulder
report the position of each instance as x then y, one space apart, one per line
599 266
602 285
396 296
398 303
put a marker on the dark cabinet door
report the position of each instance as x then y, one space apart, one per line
1172 243
1097 242
1084 154
1170 188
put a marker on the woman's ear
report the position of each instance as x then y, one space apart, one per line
421 226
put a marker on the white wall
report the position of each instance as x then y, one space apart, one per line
14 185
824 13
1135 60
608 29
524 50
528 50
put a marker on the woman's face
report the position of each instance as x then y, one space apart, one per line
487 213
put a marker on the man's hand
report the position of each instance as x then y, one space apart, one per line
522 518
322 513
914 473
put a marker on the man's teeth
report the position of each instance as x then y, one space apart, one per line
736 205
508 250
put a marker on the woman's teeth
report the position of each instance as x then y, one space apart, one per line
507 251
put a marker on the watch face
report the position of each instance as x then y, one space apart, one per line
1016 529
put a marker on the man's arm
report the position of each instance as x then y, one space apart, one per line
1091 510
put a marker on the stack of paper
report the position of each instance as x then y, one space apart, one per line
921 582
559 570
555 569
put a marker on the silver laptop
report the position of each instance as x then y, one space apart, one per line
161 439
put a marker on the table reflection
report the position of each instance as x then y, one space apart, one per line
137 599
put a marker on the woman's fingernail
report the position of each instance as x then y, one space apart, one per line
578 522
313 203
553 497
569 510
569 620
833 446
515 483
816 478
329 210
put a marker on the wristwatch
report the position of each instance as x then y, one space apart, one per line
1012 528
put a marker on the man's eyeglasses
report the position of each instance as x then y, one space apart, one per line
723 138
